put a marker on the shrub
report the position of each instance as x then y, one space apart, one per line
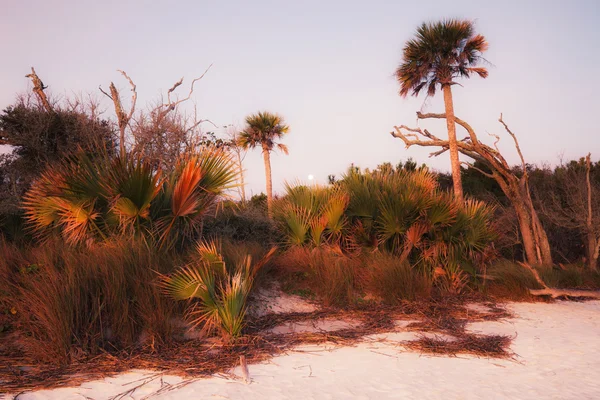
323 272
311 216
85 200
221 287
241 223
401 212
509 280
571 276
72 301
394 280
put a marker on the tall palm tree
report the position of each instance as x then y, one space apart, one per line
263 129
440 53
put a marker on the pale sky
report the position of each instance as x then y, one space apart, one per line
326 66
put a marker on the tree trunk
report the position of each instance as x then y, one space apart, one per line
592 244
241 172
267 158
121 117
527 236
533 235
596 253
453 147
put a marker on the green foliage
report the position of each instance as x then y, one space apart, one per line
263 129
86 199
40 138
399 211
259 201
311 215
221 288
441 52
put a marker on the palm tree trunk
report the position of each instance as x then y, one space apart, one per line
454 161
267 158
592 245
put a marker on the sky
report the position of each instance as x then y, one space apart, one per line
326 66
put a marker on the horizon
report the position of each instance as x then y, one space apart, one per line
330 76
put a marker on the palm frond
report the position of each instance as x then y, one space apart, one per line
439 53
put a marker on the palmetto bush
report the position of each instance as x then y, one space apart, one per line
312 216
85 201
218 285
397 211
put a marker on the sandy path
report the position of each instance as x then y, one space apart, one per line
558 357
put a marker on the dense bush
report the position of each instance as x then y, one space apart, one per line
40 138
509 280
392 280
242 222
338 279
85 200
397 211
70 302
61 302
330 276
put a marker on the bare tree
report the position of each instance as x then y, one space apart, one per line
38 89
162 138
240 154
514 185
123 117
161 127
165 131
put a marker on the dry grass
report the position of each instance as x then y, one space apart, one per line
342 280
510 281
196 358
480 345
329 275
72 303
394 281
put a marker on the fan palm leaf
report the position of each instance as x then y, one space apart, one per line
221 293
439 53
192 192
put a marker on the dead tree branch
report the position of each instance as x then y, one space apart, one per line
38 89
170 105
123 118
516 188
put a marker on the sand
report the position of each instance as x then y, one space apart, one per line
557 356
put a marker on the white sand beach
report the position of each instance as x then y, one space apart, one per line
556 356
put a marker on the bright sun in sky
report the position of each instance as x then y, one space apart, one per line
311 177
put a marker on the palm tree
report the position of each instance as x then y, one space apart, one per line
263 129
440 53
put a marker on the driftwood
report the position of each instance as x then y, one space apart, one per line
553 292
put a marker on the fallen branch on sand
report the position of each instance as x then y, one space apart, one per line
572 293
553 292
